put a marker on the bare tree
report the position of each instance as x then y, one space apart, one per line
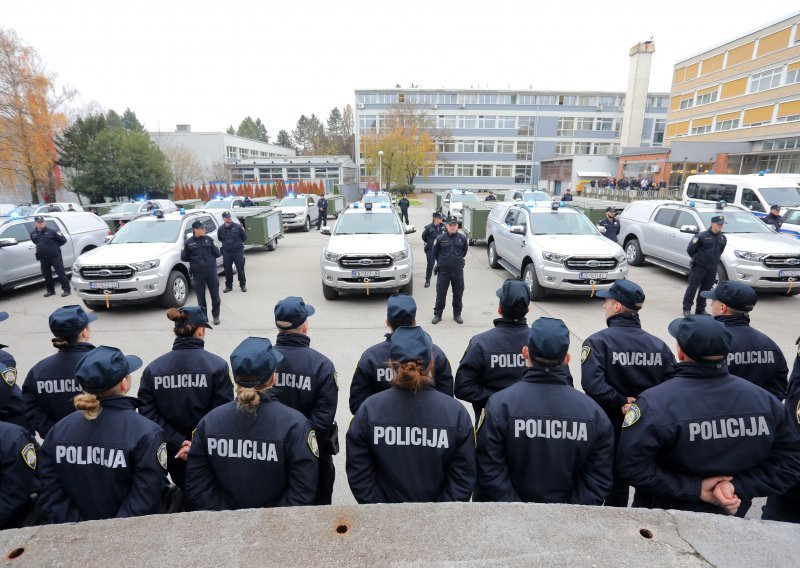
184 164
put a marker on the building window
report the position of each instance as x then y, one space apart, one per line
469 98
448 98
465 170
326 172
486 99
270 173
601 149
443 146
605 124
522 174
549 100
793 75
467 121
566 127
506 122
526 99
527 125
567 100
445 170
504 99
701 129
487 121
524 150
505 147
583 148
485 146
583 123
231 152
687 103
606 101
298 173
728 124
367 123
658 131
446 121
368 98
563 148
584 101
484 170
765 80
465 146
790 118
707 98
503 171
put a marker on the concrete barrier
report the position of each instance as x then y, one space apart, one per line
430 534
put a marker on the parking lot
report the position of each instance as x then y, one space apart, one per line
343 328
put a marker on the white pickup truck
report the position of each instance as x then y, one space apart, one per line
299 211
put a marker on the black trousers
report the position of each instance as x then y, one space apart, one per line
200 282
322 218
54 263
327 475
431 262
404 215
700 280
620 490
443 281
228 260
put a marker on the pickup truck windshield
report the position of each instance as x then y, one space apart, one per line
738 222
22 211
155 231
552 223
465 198
126 208
535 196
292 202
783 196
376 199
368 224
218 204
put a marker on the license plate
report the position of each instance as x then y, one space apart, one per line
593 275
789 273
103 285
365 273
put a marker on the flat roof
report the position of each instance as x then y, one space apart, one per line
487 90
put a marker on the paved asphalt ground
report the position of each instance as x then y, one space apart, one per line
343 328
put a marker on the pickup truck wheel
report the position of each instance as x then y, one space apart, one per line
94 305
634 253
177 290
408 288
307 226
329 293
492 254
722 274
529 277
272 245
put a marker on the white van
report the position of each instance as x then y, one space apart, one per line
754 192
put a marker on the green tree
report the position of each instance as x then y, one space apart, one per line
231 130
113 120
284 139
253 129
130 122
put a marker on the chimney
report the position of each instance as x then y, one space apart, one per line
641 56
183 128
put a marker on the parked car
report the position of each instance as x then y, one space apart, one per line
18 264
556 249
528 197
791 222
42 208
299 211
453 203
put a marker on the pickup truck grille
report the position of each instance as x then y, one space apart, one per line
115 272
782 261
287 216
590 263
365 261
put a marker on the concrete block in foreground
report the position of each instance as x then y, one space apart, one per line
430 534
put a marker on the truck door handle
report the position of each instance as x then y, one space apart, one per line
31 247
523 242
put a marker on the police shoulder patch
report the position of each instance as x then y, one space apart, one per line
336 379
162 455
797 412
694 240
632 416
312 443
29 455
10 376
59 233
585 352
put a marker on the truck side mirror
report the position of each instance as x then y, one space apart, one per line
688 229
8 242
410 229
601 229
517 229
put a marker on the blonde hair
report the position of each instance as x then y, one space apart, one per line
411 375
248 399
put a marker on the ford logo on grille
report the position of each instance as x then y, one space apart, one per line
792 261
592 263
365 261
105 273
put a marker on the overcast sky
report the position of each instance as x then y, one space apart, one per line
210 63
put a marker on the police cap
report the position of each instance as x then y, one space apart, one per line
226 215
69 321
104 367
3 316
437 215
197 224
718 220
626 293
39 219
401 309
451 220
292 310
195 315
254 358
609 209
548 339
411 344
775 208
515 296
736 295
701 336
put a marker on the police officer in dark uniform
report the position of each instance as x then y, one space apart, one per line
106 461
705 251
621 361
429 234
254 452
201 253
232 236
179 388
753 355
449 250
540 440
374 374
322 206
48 252
774 217
12 407
611 224
411 443
18 463
490 197
306 381
404 204
567 196
50 386
705 440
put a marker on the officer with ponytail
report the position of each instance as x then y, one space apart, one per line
255 451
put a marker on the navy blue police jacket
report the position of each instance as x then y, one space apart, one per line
306 381
232 449
411 447
542 441
201 254
373 374
754 356
180 387
322 203
232 238
774 220
403 204
449 251
493 361
112 466
18 475
12 407
612 228
623 360
706 249
50 386
429 234
701 423
48 242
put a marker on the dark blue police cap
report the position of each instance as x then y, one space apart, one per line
515 296
774 207
104 367
255 357
701 336
195 315
718 220
411 344
626 293
733 294
451 220
292 310
39 219
437 215
197 224
548 339
401 308
3 316
226 214
69 321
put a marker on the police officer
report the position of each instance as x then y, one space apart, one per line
48 252
706 440
247 202
50 386
322 217
306 381
373 373
201 253
621 361
179 388
449 250
18 472
567 196
774 217
705 251
232 237
540 440
12 407
611 224
403 204
254 452
429 234
107 460
753 355
490 197
411 443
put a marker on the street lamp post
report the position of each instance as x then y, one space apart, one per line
380 169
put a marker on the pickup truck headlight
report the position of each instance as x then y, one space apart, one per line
76 266
332 256
554 256
620 256
751 256
399 255
146 265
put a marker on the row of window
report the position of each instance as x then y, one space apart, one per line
523 148
585 148
521 173
501 99
567 126
788 111
245 153
781 144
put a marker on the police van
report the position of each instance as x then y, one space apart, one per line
754 192
791 222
